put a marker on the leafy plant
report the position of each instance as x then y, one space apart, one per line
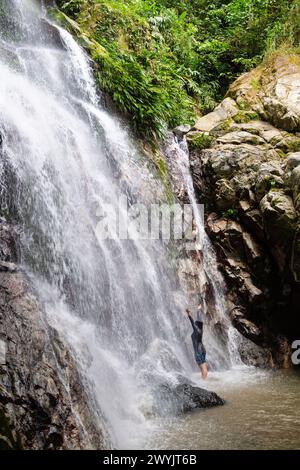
163 61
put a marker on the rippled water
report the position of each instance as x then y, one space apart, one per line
262 411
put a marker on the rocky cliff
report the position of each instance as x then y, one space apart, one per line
245 160
43 403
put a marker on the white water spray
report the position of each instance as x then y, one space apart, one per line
179 152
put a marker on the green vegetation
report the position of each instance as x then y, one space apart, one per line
272 183
243 117
164 61
230 214
200 141
294 145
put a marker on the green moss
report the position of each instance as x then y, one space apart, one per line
96 51
272 183
281 153
243 105
288 144
293 145
165 178
158 159
256 85
225 125
242 117
65 20
200 141
231 214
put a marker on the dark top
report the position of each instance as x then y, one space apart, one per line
197 335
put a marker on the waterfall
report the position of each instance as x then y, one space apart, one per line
63 158
177 149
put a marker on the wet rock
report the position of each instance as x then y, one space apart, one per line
43 403
51 33
3 348
253 222
8 245
8 267
255 355
182 130
185 397
247 328
10 57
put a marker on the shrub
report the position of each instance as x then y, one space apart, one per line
200 141
166 60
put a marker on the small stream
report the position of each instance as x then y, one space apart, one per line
262 411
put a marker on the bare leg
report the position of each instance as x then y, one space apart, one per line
204 370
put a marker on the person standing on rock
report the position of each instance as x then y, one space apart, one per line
199 349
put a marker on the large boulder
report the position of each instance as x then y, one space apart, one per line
292 161
280 219
272 90
255 355
225 110
184 397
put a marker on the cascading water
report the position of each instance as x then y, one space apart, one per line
62 159
177 148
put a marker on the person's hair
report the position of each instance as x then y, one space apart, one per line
198 323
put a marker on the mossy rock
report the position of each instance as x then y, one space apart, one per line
199 141
96 51
289 144
158 159
242 117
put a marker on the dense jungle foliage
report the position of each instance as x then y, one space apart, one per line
165 61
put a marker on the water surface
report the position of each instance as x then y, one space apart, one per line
262 411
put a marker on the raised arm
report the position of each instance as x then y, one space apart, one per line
192 322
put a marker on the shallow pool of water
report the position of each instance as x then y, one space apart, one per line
262 411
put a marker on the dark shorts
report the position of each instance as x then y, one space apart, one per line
200 356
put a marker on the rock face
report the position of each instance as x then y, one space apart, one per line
43 404
272 90
186 397
248 177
